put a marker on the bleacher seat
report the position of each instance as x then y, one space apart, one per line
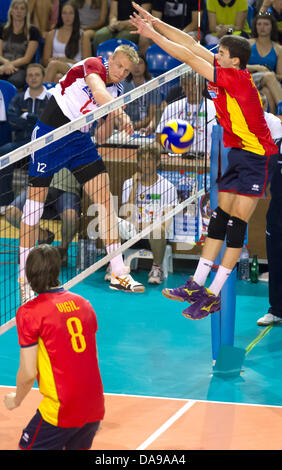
4 7
251 15
159 61
107 47
49 85
8 91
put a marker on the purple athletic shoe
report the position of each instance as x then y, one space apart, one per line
190 292
206 304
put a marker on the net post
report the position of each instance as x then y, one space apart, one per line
222 322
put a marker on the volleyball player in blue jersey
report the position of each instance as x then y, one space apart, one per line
89 84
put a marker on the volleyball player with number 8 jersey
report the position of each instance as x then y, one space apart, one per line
56 333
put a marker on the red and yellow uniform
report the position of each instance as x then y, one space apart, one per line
64 326
240 112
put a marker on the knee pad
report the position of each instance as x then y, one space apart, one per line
218 224
32 212
235 234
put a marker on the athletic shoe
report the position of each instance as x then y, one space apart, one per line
189 292
125 282
268 319
207 303
26 291
108 274
156 275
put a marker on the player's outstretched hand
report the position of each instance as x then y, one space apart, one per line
143 27
125 124
144 13
9 401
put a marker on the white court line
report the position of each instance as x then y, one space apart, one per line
166 425
154 397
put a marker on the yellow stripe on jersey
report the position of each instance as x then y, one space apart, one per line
49 406
240 127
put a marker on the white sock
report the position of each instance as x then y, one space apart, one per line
24 252
219 280
202 271
117 263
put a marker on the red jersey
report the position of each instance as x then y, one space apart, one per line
64 326
239 111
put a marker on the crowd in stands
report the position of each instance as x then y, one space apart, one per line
41 39
59 33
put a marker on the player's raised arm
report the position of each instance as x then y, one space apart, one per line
102 96
180 52
175 34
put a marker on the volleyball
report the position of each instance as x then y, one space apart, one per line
177 136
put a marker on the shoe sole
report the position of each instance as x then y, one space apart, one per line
186 315
191 318
270 323
172 297
138 290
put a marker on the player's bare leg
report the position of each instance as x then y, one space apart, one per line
98 190
29 230
209 300
241 207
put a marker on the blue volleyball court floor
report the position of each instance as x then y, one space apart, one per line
150 352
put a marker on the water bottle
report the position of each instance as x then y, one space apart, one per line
86 253
81 256
254 269
91 251
244 265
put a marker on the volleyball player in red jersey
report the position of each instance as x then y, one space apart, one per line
240 113
56 333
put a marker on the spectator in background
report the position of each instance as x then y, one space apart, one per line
92 14
274 227
191 107
63 202
23 111
275 8
18 44
44 14
149 196
65 45
265 62
118 25
224 16
179 13
143 112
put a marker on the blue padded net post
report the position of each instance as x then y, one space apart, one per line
222 322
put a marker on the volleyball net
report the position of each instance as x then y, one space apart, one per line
172 191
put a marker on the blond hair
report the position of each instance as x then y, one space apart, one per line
129 51
9 25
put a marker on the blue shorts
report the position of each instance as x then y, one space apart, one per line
246 173
75 151
57 201
40 435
